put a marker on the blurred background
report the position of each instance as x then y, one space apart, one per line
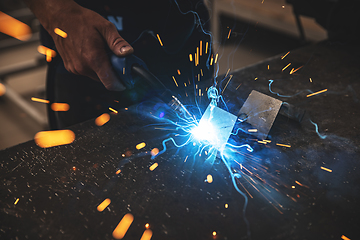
260 29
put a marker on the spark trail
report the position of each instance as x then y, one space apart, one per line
208 143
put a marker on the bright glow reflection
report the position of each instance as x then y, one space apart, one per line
205 132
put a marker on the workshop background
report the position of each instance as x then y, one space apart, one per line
260 29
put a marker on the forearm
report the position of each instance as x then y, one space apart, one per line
47 11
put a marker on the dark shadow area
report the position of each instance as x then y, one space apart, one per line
255 37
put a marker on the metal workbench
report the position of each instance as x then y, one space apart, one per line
307 191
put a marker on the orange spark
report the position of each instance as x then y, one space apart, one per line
147 225
226 205
252 130
178 72
103 205
227 73
60 32
14 27
209 178
60 107
293 71
121 229
46 139
152 167
206 48
216 57
229 34
316 93
326 169
283 145
284 56
140 146
39 100
2 89
102 119
16 202
201 71
118 171
74 168
175 81
238 86
154 152
255 78
263 142
211 60
286 67
190 57
214 233
200 48
344 237
310 79
300 184
227 83
146 235
113 110
245 189
46 51
197 56
159 40
48 55
268 67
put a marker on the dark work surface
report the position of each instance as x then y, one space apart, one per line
290 195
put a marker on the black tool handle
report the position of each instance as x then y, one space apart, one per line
123 65
130 66
163 92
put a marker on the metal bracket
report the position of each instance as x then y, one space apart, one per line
259 112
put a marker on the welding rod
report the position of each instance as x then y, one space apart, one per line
165 94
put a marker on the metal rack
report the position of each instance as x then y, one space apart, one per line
15 97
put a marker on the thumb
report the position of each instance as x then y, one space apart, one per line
116 43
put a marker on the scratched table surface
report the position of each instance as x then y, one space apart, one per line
307 188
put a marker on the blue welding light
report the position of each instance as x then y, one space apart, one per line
205 132
161 115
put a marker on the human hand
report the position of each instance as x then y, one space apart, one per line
89 36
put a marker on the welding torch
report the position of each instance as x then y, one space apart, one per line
130 66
